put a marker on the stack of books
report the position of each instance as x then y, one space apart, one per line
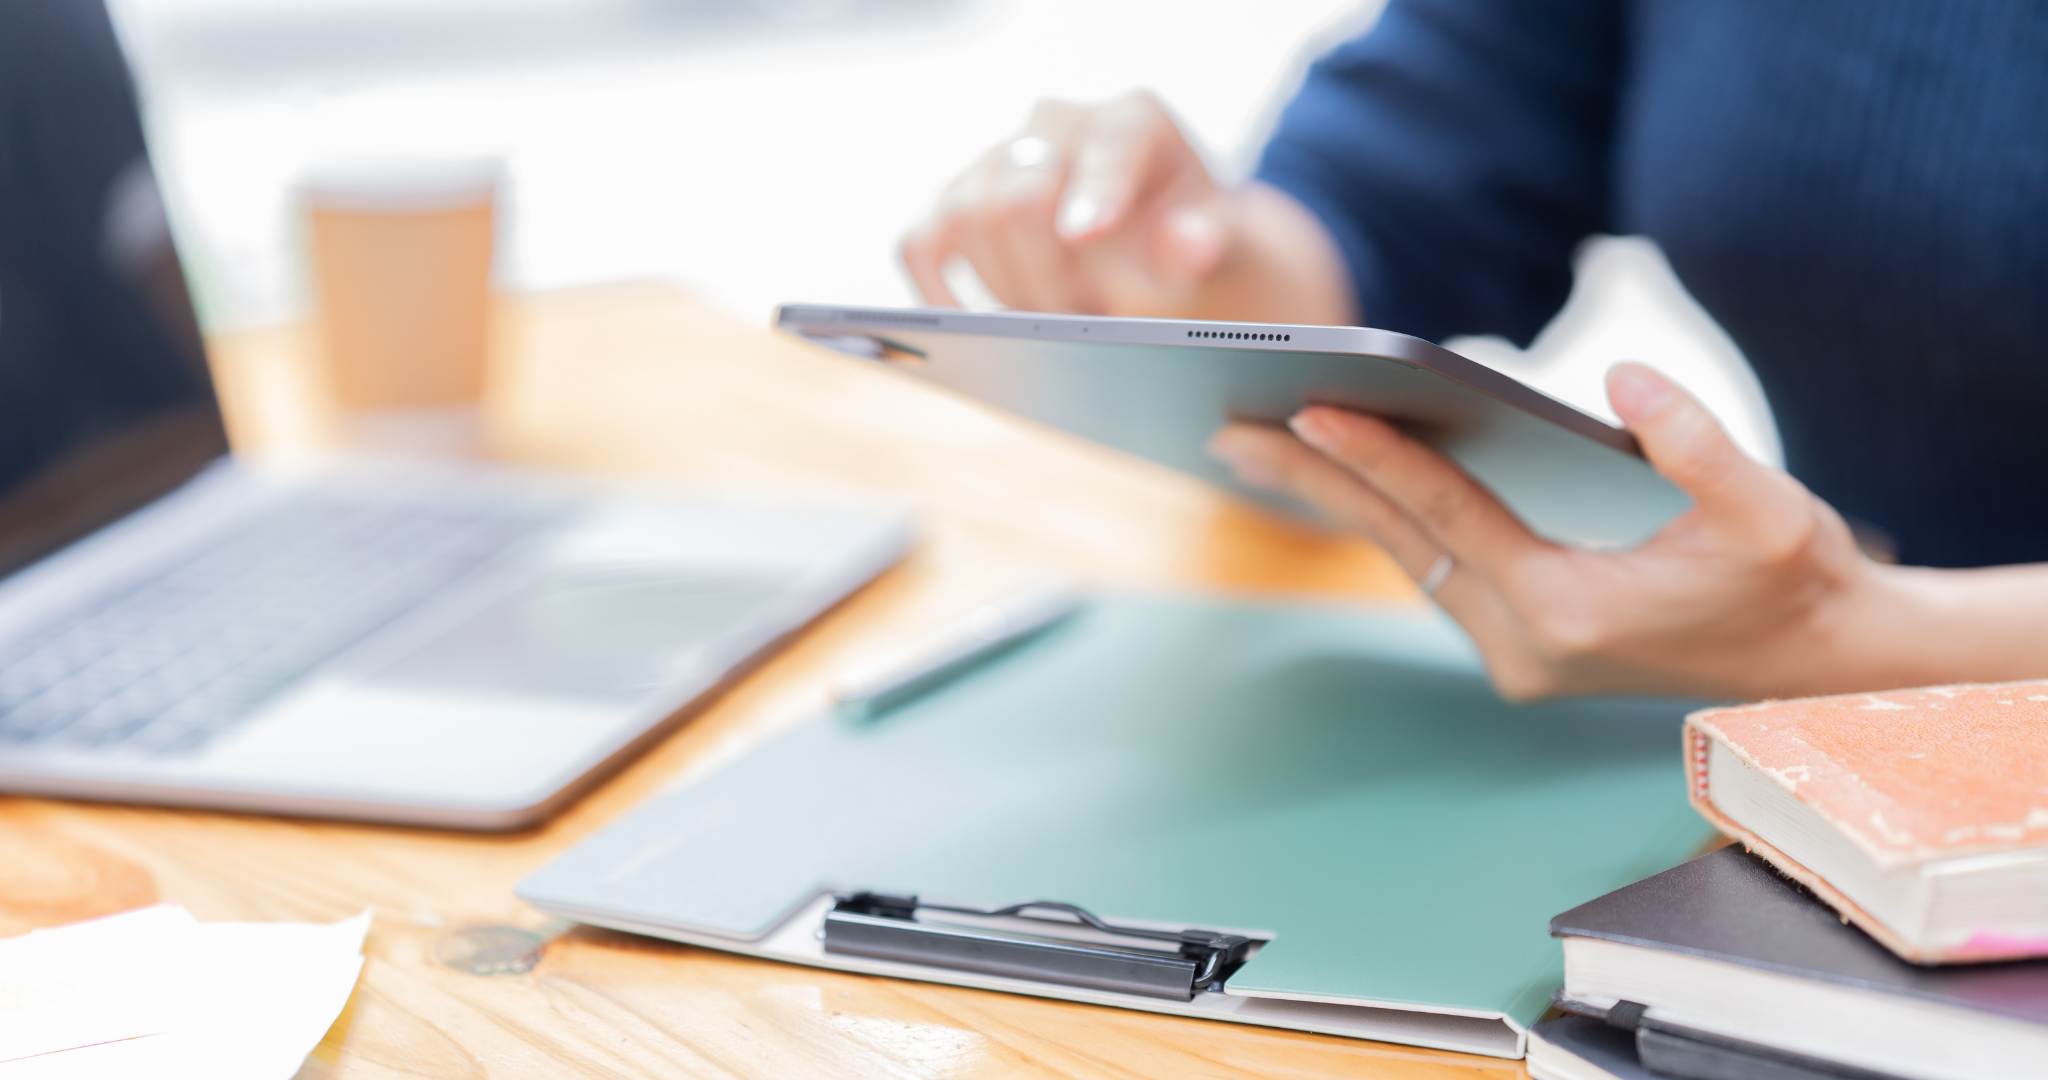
1884 915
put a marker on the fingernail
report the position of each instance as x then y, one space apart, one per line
1637 391
1245 467
1255 475
1308 427
1079 214
1251 472
1194 225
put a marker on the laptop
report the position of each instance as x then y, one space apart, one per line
426 643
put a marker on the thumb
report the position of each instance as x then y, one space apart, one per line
1689 448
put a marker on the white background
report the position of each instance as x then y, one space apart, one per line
754 151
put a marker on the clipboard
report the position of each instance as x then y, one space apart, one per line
1333 793
1159 388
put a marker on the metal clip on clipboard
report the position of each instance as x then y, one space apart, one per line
885 927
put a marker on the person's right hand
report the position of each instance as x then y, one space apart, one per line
1091 208
1109 210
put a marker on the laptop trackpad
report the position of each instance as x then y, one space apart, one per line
612 633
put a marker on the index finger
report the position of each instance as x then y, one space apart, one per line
937 241
1115 153
924 254
1455 510
928 248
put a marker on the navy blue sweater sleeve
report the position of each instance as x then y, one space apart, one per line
1458 153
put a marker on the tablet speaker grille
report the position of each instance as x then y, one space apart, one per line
1239 335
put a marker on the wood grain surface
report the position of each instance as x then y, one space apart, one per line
639 380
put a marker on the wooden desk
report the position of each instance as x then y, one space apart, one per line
637 379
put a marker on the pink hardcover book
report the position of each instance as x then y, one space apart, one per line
1921 815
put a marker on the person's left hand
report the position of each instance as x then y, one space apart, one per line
1758 590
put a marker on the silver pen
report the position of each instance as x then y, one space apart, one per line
923 664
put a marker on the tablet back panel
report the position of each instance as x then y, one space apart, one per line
1160 388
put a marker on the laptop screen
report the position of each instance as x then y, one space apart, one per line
105 400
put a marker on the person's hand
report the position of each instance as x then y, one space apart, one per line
1094 209
1109 210
1758 590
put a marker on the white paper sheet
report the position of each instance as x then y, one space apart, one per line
153 992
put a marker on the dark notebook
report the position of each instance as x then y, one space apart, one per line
1652 1050
1609 1049
1731 906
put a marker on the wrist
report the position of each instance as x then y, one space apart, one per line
1873 632
1916 626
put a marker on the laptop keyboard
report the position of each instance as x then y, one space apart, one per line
164 662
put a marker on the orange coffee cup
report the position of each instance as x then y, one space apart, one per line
402 253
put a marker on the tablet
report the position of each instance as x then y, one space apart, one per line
1159 388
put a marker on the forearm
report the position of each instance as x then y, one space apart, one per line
1920 627
1280 264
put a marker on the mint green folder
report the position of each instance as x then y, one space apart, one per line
1340 782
